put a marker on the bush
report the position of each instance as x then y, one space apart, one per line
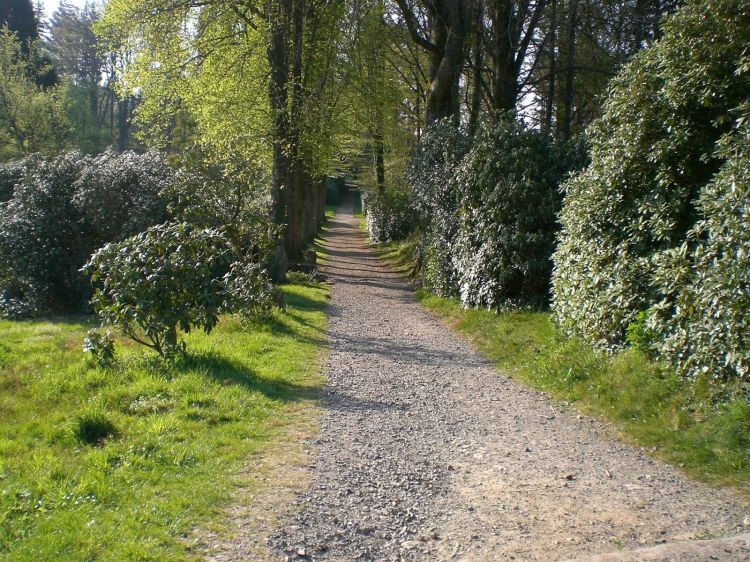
388 214
248 291
42 242
703 319
626 219
235 202
434 199
508 186
10 174
170 276
59 212
101 347
119 195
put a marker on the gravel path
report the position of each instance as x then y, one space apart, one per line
428 453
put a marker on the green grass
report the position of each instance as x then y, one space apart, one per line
398 254
700 426
124 463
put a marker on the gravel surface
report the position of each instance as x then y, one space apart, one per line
428 453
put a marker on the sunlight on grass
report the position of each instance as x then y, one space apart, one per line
124 463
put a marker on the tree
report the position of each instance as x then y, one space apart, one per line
32 118
441 27
18 16
259 79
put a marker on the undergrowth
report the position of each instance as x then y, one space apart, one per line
123 462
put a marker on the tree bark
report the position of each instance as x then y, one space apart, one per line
550 105
448 25
476 94
567 115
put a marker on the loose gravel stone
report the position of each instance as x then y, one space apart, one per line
428 453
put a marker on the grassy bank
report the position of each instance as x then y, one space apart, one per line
700 426
178 436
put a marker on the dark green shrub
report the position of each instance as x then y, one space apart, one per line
236 202
508 186
653 153
167 278
10 174
119 195
703 320
248 290
389 216
59 212
93 424
42 240
435 201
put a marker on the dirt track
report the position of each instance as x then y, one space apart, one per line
428 453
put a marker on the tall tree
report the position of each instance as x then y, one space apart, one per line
441 27
257 77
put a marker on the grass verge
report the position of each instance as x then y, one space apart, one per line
126 462
701 426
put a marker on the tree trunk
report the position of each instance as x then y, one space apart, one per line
476 94
505 86
277 53
550 105
123 123
448 23
379 157
567 116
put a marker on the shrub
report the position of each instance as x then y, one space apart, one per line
93 424
653 153
508 186
703 319
42 243
388 214
435 202
10 174
101 347
119 195
248 291
59 212
233 201
170 276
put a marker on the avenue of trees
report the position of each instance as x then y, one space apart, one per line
590 156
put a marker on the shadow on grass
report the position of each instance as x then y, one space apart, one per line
230 372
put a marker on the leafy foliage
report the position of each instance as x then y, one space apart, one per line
231 199
119 195
703 319
32 118
248 291
100 346
59 212
389 215
435 201
170 276
627 219
42 243
509 198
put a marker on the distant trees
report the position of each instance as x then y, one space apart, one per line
32 118
259 81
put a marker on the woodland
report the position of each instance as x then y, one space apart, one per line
166 165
